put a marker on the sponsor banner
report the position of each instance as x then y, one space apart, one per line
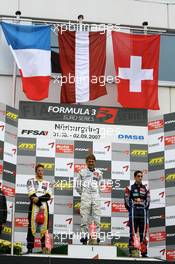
157 237
11 134
170 215
22 203
105 224
62 223
169 141
155 125
102 151
85 132
83 113
21 222
118 207
65 149
62 239
76 206
157 217
20 236
2 131
120 152
143 166
105 167
138 153
170 235
169 122
79 166
63 186
2 112
156 143
170 254
120 170
8 191
26 165
9 172
45 147
1 150
106 207
11 116
63 205
157 198
169 158
157 252
21 183
131 135
156 179
118 187
82 149
170 196
10 153
156 161
48 163
64 167
26 146
120 227
170 178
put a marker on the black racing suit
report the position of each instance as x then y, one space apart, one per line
3 210
138 213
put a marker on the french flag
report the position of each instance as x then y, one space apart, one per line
31 48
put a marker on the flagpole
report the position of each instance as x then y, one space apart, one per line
18 13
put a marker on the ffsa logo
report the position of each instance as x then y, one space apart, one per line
34 132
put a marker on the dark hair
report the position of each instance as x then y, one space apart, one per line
91 156
38 165
137 172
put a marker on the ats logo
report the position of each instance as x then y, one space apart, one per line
12 116
63 185
105 225
26 146
77 205
48 166
170 177
107 115
34 132
122 245
156 161
139 152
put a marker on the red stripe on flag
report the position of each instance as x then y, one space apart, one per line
97 59
67 61
36 87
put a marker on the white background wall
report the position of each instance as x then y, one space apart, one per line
110 11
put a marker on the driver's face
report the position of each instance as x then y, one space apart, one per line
90 163
40 172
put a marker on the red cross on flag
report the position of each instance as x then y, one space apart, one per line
136 59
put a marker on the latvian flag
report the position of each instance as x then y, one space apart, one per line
30 45
83 60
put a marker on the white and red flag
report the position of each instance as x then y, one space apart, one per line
83 60
136 59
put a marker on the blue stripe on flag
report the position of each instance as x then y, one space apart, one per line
27 36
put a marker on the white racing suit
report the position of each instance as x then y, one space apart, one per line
42 190
88 185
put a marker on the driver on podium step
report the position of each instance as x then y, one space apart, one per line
137 201
39 192
88 185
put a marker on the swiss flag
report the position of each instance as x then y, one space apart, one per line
136 59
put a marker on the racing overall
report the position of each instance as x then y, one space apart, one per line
138 213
